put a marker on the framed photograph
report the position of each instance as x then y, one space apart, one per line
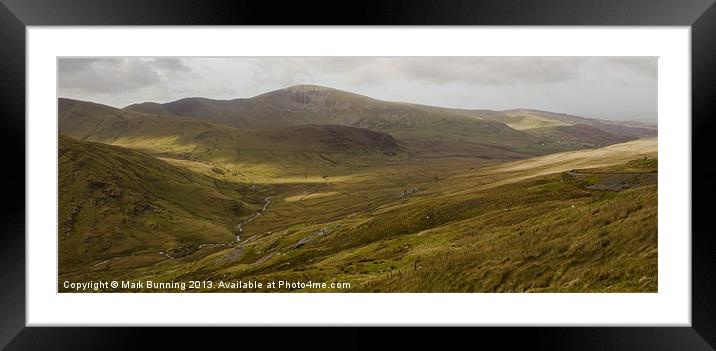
475 165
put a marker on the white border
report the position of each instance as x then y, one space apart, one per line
670 306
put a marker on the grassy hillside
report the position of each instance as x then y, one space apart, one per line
114 202
562 239
466 230
551 233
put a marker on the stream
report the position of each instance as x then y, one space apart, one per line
239 228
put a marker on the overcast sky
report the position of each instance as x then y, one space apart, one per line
617 88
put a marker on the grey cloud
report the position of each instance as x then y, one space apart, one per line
646 67
105 75
74 65
170 64
491 70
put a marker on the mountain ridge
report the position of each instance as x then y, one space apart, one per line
424 130
312 89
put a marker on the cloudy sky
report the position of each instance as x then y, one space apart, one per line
617 88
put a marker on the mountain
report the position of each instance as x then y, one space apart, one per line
114 201
309 104
302 104
443 131
196 139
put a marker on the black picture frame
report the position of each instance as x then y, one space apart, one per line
16 15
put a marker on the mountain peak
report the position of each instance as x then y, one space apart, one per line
308 87
308 94
312 89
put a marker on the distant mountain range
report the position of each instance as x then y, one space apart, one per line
416 129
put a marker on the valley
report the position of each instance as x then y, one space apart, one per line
315 184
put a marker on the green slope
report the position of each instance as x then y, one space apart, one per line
114 201
551 233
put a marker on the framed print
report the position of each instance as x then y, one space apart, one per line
474 165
